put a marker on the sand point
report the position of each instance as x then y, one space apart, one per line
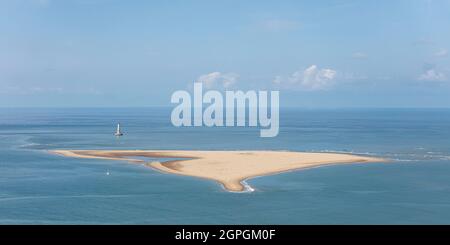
230 168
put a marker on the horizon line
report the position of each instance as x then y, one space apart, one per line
167 106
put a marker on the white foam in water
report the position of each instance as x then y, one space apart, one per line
348 152
391 156
29 145
247 188
404 160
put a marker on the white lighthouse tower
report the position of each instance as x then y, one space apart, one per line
118 132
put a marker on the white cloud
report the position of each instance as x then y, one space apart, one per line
441 53
312 78
433 76
359 55
218 79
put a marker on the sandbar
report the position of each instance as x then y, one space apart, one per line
229 168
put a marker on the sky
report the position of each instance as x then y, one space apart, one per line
318 54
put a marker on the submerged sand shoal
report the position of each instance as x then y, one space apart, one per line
230 168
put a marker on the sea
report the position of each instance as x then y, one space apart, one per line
37 187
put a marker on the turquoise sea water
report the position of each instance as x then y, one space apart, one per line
40 188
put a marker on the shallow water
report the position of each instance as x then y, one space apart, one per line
41 188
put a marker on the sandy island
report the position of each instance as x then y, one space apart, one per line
230 168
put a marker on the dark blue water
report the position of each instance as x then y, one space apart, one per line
40 188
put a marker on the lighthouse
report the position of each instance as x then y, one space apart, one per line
118 132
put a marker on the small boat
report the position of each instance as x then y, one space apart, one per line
118 132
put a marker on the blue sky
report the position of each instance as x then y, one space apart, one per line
136 53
